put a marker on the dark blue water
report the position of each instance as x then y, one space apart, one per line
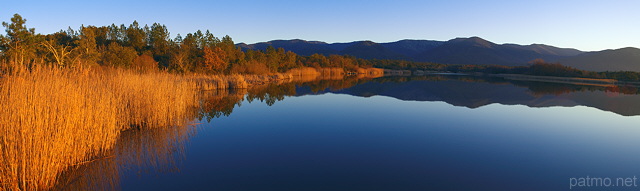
338 141
387 134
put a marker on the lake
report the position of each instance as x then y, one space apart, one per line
435 132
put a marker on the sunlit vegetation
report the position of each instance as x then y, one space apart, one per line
98 127
78 105
54 119
70 99
82 144
148 48
156 150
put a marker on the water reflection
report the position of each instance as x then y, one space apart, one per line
457 90
219 103
474 92
162 150
148 151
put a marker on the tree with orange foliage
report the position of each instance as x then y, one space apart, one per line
145 63
214 60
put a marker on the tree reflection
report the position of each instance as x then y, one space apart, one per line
160 150
536 88
214 104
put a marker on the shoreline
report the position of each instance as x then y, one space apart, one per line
245 81
523 77
563 80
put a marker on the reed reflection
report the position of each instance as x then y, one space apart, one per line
158 150
161 150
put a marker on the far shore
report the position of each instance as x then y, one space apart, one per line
564 80
521 77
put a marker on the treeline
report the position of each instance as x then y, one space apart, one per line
536 67
151 48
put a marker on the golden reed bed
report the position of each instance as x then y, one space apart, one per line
53 122
55 119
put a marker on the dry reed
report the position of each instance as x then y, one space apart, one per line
237 82
54 119
209 82
304 71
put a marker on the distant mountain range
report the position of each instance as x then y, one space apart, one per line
624 59
473 50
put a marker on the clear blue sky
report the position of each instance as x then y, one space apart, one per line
584 24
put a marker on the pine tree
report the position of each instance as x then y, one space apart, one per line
20 44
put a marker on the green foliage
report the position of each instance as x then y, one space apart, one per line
119 56
20 44
159 43
87 44
136 37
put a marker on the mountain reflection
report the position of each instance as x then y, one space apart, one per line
457 90
474 92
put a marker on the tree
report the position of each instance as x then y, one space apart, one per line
87 44
159 43
115 33
227 45
317 60
136 37
177 61
58 47
210 40
272 58
192 54
119 56
289 61
337 61
145 63
214 60
20 43
159 39
58 51
542 68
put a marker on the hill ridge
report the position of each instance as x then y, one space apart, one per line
464 50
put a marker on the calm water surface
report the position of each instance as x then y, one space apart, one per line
408 134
